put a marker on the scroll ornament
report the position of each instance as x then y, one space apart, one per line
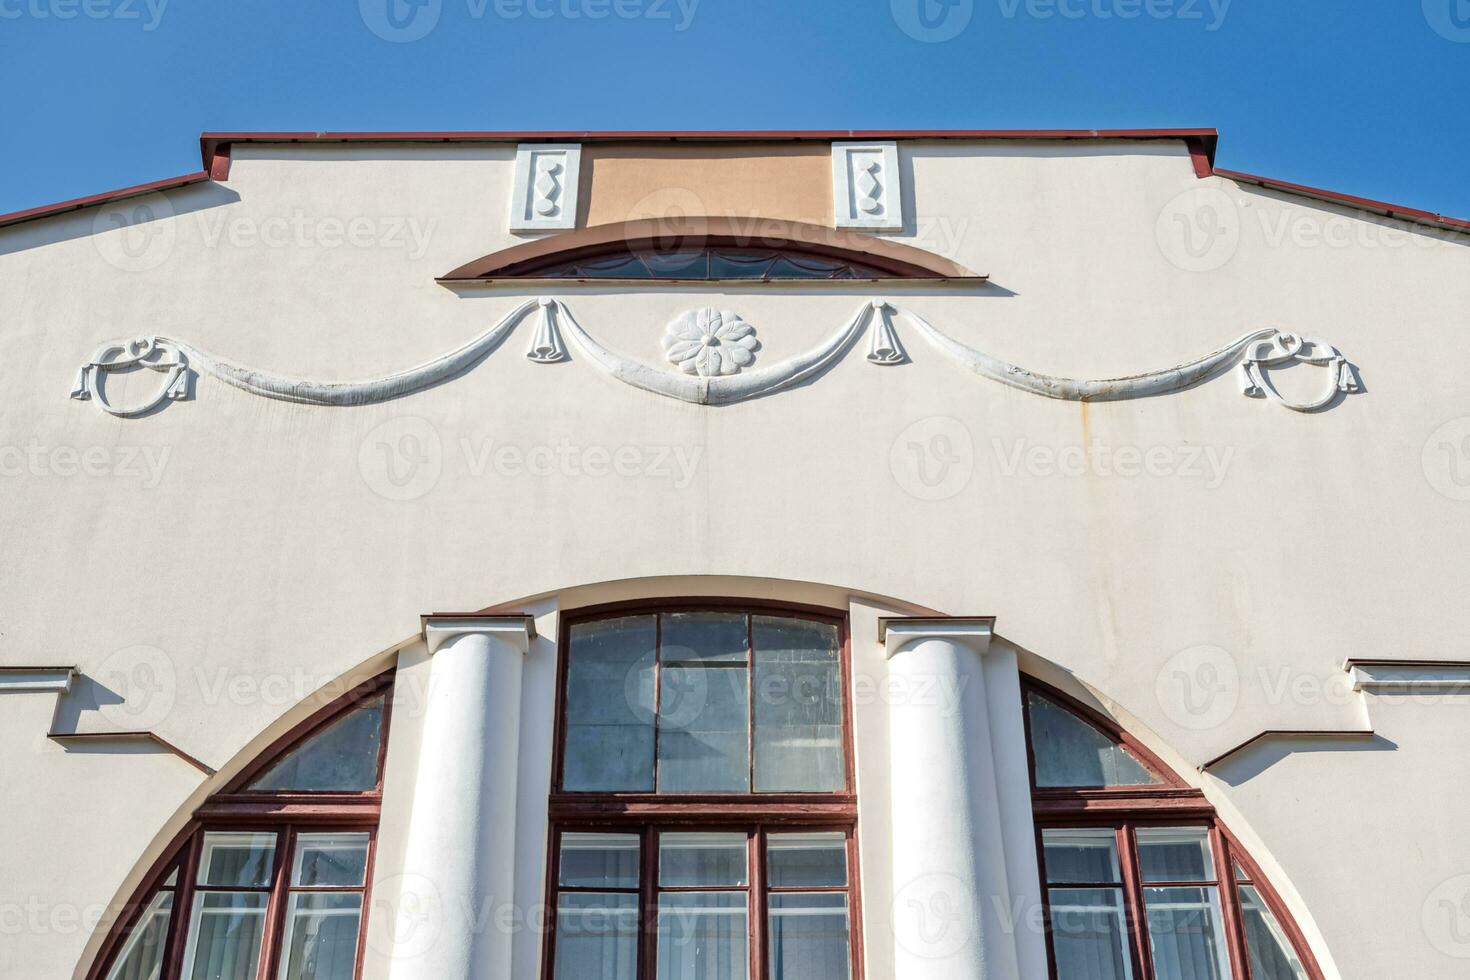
712 350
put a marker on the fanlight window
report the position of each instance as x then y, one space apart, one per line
278 897
1141 881
715 262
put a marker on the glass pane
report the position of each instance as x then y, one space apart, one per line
739 264
599 861
596 937
704 637
1175 854
224 936
342 757
702 936
1085 856
798 706
702 859
704 730
321 936
142 955
1240 874
677 265
1089 936
330 859
237 860
809 937
806 860
1071 752
609 706
1271 953
172 879
1185 937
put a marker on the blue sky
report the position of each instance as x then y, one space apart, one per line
1360 96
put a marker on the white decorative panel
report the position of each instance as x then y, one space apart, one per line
866 189
545 195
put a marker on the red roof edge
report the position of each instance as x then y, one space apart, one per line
1361 203
106 197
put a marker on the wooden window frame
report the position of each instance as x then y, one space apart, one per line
1125 809
286 814
756 814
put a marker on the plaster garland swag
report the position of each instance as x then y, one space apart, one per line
721 383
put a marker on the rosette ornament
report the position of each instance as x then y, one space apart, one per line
710 343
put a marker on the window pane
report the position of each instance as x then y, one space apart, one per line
321 936
609 706
702 859
1271 953
1089 937
237 860
596 937
1086 856
330 859
1071 752
806 860
704 637
342 757
599 861
1175 854
704 730
142 954
702 936
224 936
1185 937
798 706
809 937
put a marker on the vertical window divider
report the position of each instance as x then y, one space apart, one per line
1133 884
1230 904
658 693
750 703
277 902
756 848
173 962
648 906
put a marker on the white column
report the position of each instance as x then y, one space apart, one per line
966 896
459 862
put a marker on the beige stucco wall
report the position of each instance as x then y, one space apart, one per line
253 546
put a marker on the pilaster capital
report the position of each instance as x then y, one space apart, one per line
896 632
515 629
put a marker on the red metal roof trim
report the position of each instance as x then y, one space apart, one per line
1361 203
106 197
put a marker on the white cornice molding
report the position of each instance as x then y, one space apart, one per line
1252 354
36 680
516 630
1408 676
897 632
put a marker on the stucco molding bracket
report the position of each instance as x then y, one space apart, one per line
1403 677
36 680
897 632
154 353
516 630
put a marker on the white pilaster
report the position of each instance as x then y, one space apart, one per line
966 896
459 861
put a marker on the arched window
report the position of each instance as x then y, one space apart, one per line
1141 880
271 878
703 818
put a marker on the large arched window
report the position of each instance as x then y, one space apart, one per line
1141 880
270 880
703 819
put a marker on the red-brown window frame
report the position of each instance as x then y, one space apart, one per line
756 814
1169 803
287 815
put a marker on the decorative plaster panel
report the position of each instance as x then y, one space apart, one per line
867 189
544 197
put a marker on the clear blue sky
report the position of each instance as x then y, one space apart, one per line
1361 96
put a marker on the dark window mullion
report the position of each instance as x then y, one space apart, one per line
1133 908
1230 911
756 904
275 907
658 694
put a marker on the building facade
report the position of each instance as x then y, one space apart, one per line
743 556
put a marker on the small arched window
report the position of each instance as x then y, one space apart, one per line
270 881
1141 880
